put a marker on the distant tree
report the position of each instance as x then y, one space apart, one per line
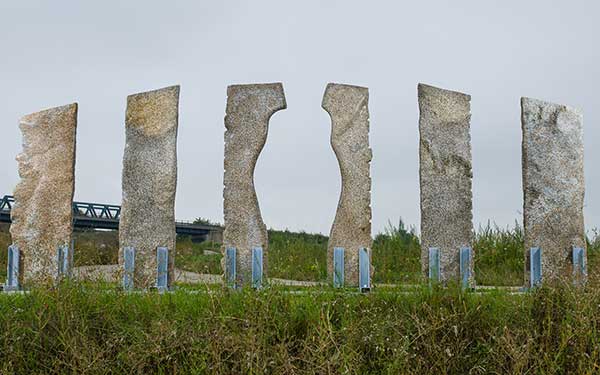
398 232
203 221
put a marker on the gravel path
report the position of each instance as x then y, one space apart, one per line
110 273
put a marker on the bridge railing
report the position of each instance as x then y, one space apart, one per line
106 216
6 203
95 210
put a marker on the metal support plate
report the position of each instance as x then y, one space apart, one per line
230 261
338 267
579 264
466 257
162 268
71 255
257 267
364 270
12 274
535 266
434 264
129 265
64 256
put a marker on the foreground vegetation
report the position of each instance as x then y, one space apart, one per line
95 328
78 329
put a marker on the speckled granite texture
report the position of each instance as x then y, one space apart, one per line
249 108
42 216
445 177
150 181
348 108
553 184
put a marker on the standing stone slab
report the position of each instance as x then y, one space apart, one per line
553 184
445 177
348 108
149 181
249 108
42 216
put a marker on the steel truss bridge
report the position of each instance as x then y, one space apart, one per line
106 216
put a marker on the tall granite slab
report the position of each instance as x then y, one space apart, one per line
553 185
149 181
42 217
249 108
445 173
348 108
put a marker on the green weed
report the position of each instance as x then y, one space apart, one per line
82 329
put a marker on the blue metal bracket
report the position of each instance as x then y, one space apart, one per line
535 266
129 265
364 270
162 268
12 274
466 257
257 267
579 264
68 252
230 271
338 267
64 257
434 264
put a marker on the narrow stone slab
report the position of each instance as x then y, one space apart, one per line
553 185
445 177
351 230
249 108
42 218
150 181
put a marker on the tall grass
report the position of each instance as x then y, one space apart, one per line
92 328
499 255
95 247
5 241
396 255
204 257
85 330
297 256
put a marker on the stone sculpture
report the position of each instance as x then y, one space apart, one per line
42 217
445 178
348 108
249 108
553 184
150 181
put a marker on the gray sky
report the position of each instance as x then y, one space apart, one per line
96 53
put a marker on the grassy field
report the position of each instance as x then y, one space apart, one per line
94 328
84 329
302 256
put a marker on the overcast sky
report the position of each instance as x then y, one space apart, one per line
96 53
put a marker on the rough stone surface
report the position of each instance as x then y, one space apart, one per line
42 216
553 184
149 181
249 108
445 177
348 108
